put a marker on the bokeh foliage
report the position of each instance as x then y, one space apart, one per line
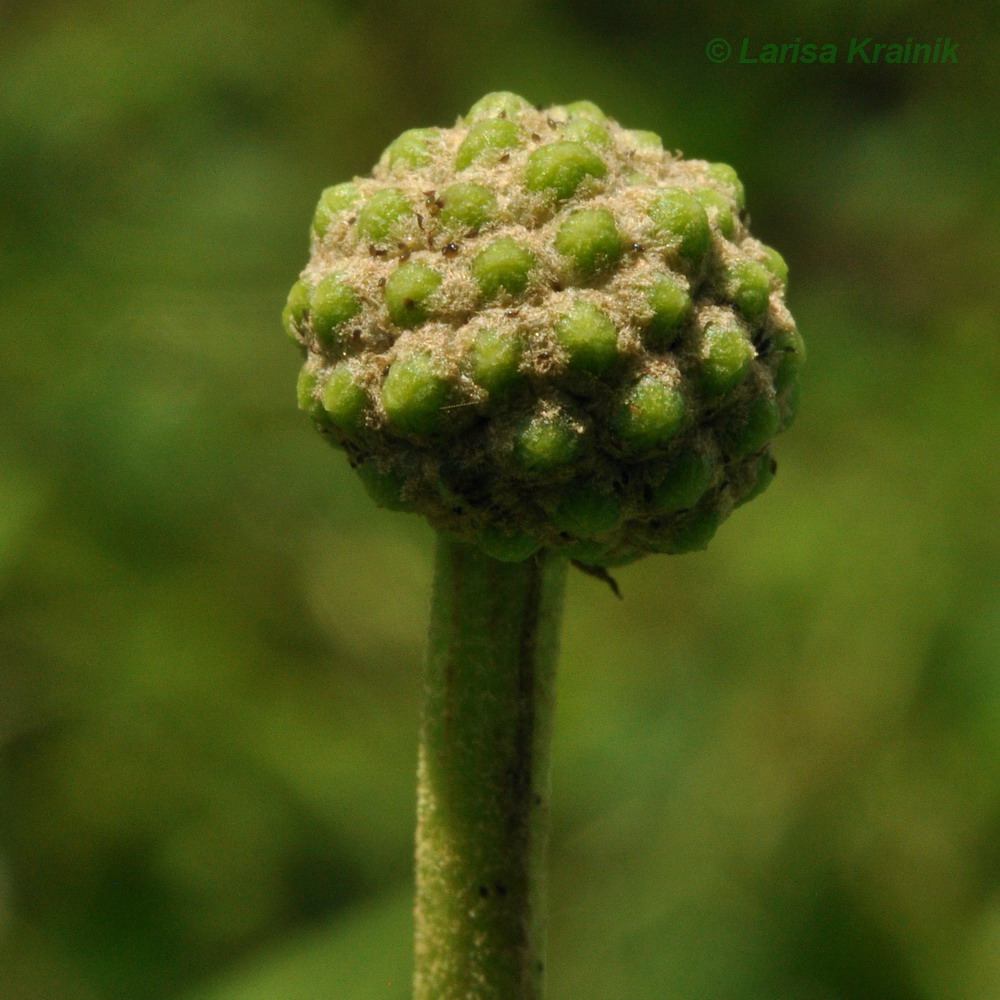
777 764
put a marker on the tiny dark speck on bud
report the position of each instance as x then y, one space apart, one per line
381 282
505 157
409 303
484 891
449 249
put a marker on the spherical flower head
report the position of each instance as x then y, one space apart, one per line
540 329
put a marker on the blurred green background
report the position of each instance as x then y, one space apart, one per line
777 766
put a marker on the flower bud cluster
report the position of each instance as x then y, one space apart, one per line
540 329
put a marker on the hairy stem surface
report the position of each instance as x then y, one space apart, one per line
483 777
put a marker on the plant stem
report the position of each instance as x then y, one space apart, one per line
483 777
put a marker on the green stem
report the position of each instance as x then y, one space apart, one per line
483 779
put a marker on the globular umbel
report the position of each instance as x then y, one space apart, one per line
556 341
540 329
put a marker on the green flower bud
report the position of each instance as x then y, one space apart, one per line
513 546
504 266
296 308
500 104
727 357
495 360
487 139
305 393
764 471
649 416
333 304
724 175
586 132
587 110
671 307
560 167
588 337
408 292
385 487
344 399
411 149
692 531
590 240
413 394
586 512
747 285
548 441
718 208
686 481
383 215
640 139
679 220
775 263
751 427
467 206
332 202
788 354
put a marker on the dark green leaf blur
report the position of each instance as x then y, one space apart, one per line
777 765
